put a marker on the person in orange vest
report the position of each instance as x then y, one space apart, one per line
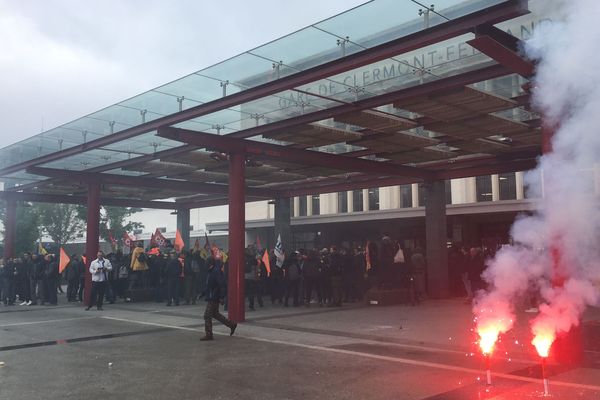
138 265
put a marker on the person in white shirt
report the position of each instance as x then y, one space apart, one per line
99 268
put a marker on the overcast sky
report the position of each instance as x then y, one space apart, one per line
63 59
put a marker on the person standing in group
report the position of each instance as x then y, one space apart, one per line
99 268
419 267
215 294
138 266
72 272
173 274
51 278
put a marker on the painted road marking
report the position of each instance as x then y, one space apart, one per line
400 360
48 321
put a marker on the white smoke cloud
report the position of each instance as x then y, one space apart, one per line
557 249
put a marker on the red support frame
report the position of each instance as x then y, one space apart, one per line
455 27
92 236
139 181
67 199
277 152
237 227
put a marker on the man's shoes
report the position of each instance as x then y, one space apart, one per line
23 303
88 308
206 338
233 329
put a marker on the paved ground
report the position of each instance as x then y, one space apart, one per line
149 351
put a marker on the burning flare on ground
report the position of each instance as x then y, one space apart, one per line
543 339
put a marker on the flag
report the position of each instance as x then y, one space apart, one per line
206 242
279 251
84 258
112 240
152 240
196 248
154 251
265 259
64 260
159 239
178 245
41 250
128 240
258 245
216 253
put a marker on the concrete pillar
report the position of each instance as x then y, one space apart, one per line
495 187
365 199
296 206
436 237
283 224
237 229
309 206
350 198
10 228
520 185
92 236
414 189
183 226
471 190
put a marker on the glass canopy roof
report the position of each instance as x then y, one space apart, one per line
362 27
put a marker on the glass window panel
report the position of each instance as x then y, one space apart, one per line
483 187
405 196
316 205
374 199
422 195
448 189
357 200
342 202
302 49
508 186
303 206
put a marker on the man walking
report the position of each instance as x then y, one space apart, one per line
215 295
99 268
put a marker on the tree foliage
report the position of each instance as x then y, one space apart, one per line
62 222
112 219
27 226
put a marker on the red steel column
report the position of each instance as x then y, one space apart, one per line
92 234
235 288
10 228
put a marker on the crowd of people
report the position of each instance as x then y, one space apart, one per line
328 276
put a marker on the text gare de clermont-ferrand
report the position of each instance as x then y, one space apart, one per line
396 69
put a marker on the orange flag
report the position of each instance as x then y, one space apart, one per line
178 245
267 262
64 260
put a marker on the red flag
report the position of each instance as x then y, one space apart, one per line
64 260
152 240
84 258
178 245
111 239
258 245
216 252
267 262
159 239
128 240
154 251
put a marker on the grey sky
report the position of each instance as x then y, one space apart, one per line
62 59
